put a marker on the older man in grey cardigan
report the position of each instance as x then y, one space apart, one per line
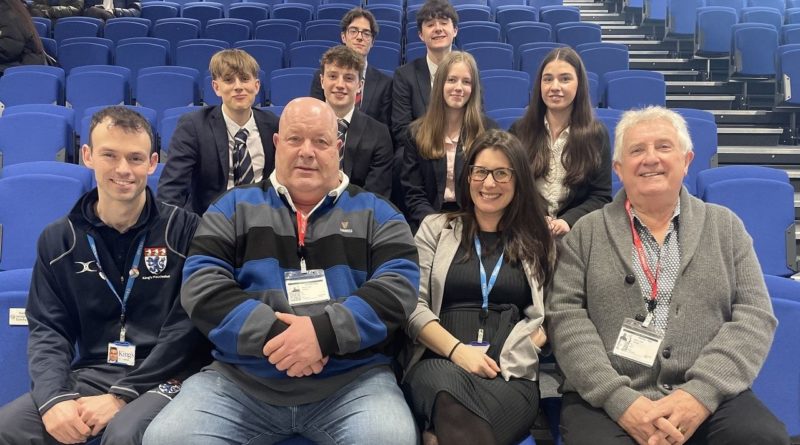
659 316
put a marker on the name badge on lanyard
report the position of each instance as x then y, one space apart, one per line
305 286
486 289
120 352
637 343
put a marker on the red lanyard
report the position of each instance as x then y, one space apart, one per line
651 278
301 229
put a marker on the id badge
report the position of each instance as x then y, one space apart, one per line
637 343
121 353
481 346
306 287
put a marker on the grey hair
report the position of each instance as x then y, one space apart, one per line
634 117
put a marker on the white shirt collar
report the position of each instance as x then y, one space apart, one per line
335 193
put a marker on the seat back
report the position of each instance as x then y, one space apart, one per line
713 35
29 203
778 382
18 88
33 136
767 209
14 347
229 30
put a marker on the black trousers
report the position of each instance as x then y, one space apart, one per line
21 423
742 420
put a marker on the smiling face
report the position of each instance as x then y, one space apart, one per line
340 86
121 161
458 86
559 86
489 196
354 37
307 150
438 34
652 163
238 92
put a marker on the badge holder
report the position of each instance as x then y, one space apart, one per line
306 287
637 342
479 344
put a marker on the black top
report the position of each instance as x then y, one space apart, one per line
463 282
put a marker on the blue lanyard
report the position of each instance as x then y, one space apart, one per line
486 287
134 272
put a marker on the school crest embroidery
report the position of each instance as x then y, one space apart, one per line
155 258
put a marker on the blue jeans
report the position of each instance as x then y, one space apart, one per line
212 410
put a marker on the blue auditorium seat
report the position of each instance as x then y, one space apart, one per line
91 88
654 11
553 15
148 113
228 30
474 32
29 203
286 31
780 5
44 26
681 18
323 29
505 89
252 12
197 54
79 172
506 116
136 54
473 13
155 11
289 83
333 11
491 55
521 33
203 11
69 27
33 136
713 35
15 279
59 110
767 209
84 51
415 50
385 55
767 16
577 33
125 27
703 133
14 347
392 13
628 89
163 89
778 382
515 13
27 87
294 11
753 50
307 53
167 125
389 32
733 172
176 30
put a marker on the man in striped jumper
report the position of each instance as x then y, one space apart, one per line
302 283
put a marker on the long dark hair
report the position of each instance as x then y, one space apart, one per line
25 19
524 230
581 155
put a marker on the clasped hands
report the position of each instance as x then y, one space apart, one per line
670 420
75 421
296 349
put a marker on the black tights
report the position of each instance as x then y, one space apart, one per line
455 424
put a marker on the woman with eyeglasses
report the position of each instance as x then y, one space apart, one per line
568 148
472 361
434 148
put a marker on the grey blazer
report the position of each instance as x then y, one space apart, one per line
720 317
437 242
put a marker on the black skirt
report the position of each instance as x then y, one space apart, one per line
509 407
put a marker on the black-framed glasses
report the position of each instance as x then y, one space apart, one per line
500 175
352 32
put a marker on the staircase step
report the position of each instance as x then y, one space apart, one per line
644 45
702 87
749 117
735 154
704 102
660 64
679 75
653 54
751 137
616 37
